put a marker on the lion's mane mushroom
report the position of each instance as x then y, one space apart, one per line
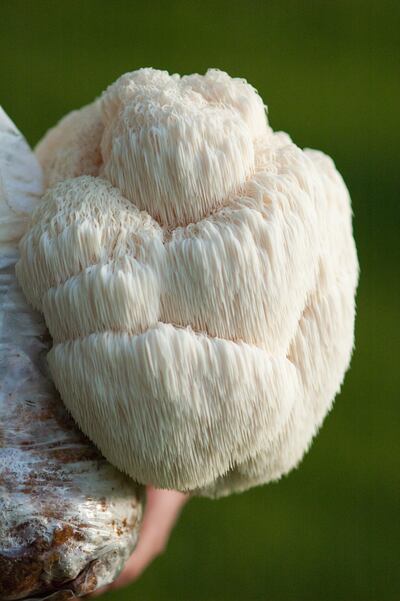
197 272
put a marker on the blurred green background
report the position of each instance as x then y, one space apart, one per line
330 74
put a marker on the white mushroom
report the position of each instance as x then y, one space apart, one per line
202 309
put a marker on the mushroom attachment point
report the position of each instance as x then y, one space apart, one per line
197 272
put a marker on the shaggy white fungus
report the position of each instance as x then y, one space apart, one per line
198 280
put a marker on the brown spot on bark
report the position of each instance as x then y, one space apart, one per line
61 535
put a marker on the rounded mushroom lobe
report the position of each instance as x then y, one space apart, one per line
72 147
179 147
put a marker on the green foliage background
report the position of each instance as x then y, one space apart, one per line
330 74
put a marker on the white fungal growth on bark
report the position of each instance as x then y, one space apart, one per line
198 283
